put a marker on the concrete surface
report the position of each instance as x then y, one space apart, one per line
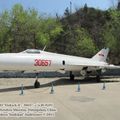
91 103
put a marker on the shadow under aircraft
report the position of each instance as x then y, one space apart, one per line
61 82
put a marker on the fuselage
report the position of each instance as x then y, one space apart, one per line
43 61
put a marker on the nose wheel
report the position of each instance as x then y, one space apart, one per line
37 83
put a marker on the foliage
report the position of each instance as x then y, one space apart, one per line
111 35
81 33
22 29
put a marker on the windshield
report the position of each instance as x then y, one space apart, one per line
32 51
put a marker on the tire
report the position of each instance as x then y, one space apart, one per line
98 78
72 77
37 84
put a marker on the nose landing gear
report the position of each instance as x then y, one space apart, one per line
37 83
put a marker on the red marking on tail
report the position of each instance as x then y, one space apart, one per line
101 54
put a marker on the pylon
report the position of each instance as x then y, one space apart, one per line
52 90
21 92
78 89
104 87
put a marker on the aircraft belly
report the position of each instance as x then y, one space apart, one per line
24 67
30 66
73 68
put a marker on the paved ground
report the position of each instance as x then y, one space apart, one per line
91 103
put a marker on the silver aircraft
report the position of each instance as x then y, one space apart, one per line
39 60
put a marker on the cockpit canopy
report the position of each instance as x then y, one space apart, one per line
31 51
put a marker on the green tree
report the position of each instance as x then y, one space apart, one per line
85 45
111 35
4 31
50 28
30 30
24 26
80 43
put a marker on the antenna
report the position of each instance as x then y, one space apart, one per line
44 48
70 7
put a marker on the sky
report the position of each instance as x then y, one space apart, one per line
52 7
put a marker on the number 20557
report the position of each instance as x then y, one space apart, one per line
40 62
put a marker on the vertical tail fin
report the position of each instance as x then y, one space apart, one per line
101 55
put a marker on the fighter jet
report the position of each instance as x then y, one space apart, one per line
40 60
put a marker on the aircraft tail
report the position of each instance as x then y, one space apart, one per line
101 55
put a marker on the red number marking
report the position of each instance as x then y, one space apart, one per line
39 62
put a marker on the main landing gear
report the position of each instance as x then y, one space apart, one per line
72 77
98 78
37 83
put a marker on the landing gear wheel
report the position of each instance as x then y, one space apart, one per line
37 84
98 78
72 77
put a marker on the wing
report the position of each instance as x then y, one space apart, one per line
111 66
96 66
